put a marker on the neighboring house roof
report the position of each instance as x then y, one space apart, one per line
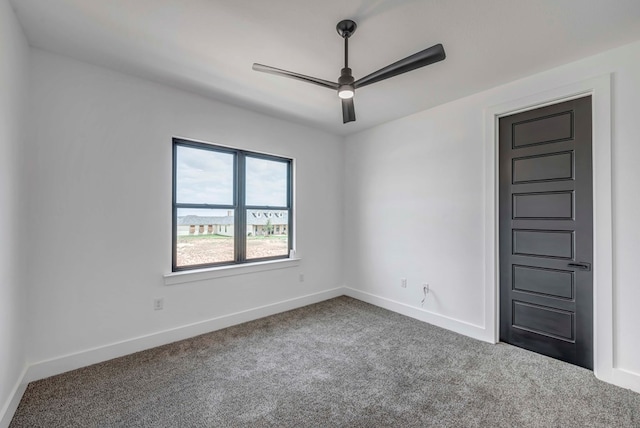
254 217
198 220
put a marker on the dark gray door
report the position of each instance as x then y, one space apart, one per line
546 233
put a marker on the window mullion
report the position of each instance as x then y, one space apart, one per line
266 208
205 206
241 219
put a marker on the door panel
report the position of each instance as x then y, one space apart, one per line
546 321
542 130
546 223
549 205
547 167
552 282
543 243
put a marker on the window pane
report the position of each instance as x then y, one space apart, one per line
267 233
203 177
266 182
204 236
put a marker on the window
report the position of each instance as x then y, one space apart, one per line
243 198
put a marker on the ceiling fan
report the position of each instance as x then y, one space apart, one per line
346 84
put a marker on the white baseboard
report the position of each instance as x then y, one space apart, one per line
44 369
625 379
467 329
10 407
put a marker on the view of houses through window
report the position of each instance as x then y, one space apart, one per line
230 206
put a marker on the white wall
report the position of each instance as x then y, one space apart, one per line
99 168
415 205
13 89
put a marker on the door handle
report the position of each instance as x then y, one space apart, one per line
583 266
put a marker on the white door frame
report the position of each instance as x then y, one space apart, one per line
600 90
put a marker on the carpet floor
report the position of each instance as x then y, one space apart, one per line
339 363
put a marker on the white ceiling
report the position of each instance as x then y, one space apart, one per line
208 46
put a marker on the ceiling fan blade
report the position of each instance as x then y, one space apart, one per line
298 76
428 56
348 111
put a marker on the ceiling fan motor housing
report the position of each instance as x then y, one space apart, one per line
346 88
345 77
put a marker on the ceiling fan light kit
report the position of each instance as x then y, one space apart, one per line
347 85
346 91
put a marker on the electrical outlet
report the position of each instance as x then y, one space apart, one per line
158 304
301 277
403 282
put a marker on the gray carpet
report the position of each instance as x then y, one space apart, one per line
339 363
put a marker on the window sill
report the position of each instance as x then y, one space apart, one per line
174 278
